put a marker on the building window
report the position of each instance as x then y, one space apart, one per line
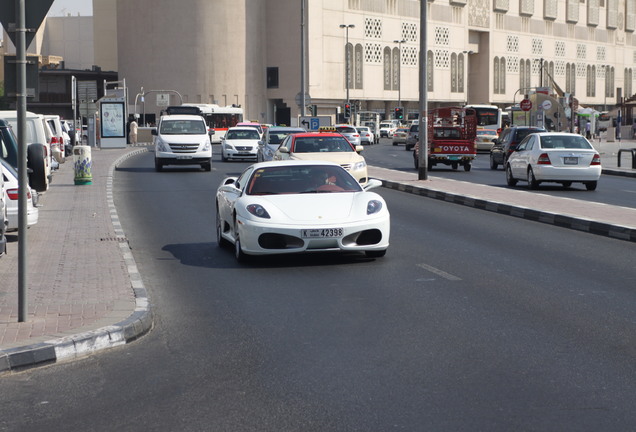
272 77
395 82
461 61
430 63
387 68
454 73
358 62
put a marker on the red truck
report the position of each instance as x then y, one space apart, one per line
451 137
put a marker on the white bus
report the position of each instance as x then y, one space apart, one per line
488 116
219 118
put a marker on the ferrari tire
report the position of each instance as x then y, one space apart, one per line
240 256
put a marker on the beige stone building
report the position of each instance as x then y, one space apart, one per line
248 52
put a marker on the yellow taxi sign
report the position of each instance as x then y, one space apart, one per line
327 129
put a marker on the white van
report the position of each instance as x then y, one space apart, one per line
60 137
182 139
38 148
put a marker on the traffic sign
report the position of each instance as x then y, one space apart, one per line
313 123
34 13
525 105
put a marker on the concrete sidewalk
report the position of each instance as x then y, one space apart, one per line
84 290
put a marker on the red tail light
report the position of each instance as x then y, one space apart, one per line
55 140
544 159
596 160
13 194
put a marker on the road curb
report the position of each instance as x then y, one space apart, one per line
564 221
81 344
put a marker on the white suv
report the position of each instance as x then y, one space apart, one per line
182 139
38 148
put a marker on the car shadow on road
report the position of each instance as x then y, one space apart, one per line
210 255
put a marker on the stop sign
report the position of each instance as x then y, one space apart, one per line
525 105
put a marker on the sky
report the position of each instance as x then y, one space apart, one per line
73 7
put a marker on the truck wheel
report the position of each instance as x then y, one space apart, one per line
206 166
467 166
37 164
158 165
454 165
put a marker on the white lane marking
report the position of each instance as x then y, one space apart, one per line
439 272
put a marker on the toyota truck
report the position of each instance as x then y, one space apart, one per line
451 138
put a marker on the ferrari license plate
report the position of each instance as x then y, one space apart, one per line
322 233
571 160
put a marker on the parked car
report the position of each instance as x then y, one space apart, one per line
240 142
3 215
413 136
270 209
507 142
366 136
485 137
400 135
60 138
10 177
272 138
327 146
554 157
38 149
350 133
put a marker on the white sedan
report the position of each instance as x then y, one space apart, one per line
300 206
554 157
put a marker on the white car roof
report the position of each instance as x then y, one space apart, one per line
181 117
295 162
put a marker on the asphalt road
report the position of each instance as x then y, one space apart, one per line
472 321
611 190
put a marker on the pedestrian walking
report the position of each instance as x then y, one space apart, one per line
133 131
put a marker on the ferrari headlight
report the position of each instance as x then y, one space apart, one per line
258 211
359 165
374 206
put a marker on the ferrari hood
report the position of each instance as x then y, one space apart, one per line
315 207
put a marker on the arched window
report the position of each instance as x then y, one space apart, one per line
453 70
357 66
495 75
395 81
502 75
461 61
387 68
349 66
430 59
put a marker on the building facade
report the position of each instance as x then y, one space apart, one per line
248 52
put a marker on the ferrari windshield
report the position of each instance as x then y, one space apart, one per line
301 179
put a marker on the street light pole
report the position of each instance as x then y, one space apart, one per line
399 42
347 61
